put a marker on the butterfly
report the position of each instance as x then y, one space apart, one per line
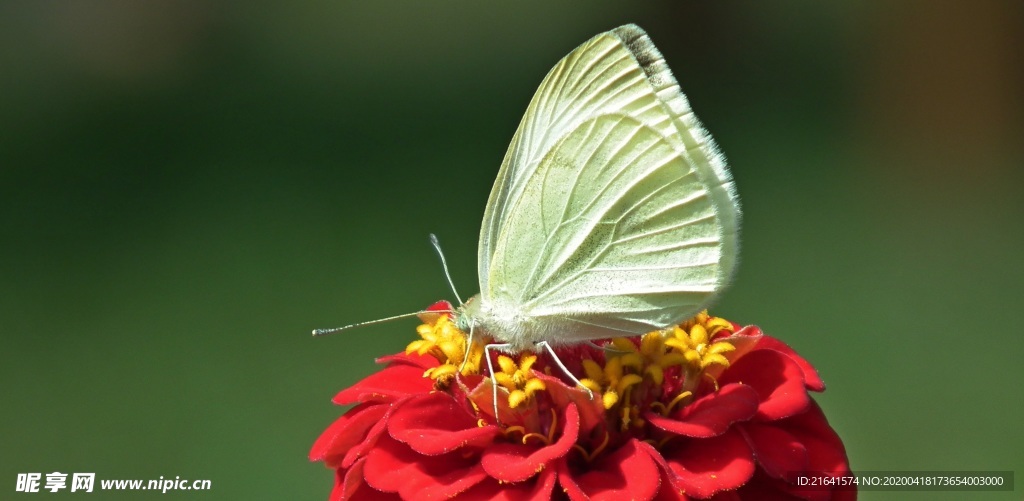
613 213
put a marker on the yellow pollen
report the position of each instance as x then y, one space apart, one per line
591 385
592 370
516 398
446 343
634 373
695 346
609 399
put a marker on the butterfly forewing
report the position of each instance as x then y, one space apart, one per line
619 71
613 211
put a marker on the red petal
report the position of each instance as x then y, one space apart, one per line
393 467
825 454
346 432
371 437
778 380
540 488
390 384
761 486
353 488
779 453
435 311
569 486
481 397
422 361
730 496
629 472
669 492
712 414
825 451
592 412
339 492
509 462
435 424
707 466
811 377
670 488
442 305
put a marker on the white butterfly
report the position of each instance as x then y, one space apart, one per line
613 213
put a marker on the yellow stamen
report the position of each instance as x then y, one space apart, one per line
591 385
628 381
513 429
533 386
508 366
443 341
676 400
713 380
516 398
625 417
714 358
609 399
544 440
592 370
623 344
518 378
692 346
554 424
600 448
656 373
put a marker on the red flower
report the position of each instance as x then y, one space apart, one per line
704 410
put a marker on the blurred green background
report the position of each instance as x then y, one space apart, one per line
187 188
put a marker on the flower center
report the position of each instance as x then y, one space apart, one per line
661 371
445 342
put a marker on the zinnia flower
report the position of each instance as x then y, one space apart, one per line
705 410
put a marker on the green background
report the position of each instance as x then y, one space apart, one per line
188 188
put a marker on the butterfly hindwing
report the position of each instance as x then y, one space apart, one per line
613 230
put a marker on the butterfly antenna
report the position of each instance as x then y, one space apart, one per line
444 264
322 332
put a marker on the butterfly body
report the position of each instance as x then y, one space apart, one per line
613 213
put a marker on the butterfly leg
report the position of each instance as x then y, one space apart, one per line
565 371
604 348
494 382
469 346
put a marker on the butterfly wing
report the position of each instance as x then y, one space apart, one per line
618 72
613 211
614 233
